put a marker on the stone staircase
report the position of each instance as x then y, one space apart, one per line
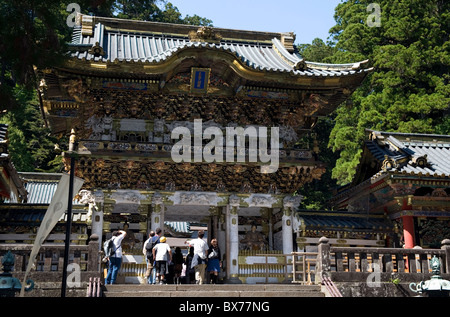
208 290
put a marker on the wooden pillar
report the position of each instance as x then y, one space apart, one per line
408 231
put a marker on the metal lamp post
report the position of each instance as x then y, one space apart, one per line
72 155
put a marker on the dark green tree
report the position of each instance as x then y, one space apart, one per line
318 51
33 34
31 147
171 14
30 36
155 10
317 193
144 10
409 89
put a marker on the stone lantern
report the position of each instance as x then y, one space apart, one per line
436 286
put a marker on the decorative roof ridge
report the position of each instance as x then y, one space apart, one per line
403 134
40 177
339 67
296 61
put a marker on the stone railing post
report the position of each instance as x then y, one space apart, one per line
446 247
93 254
323 265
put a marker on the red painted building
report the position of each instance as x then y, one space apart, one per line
406 177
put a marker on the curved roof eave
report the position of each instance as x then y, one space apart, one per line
271 65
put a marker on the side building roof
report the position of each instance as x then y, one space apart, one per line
411 154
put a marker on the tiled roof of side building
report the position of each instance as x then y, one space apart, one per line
147 43
343 221
40 187
413 154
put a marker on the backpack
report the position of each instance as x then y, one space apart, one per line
149 247
108 247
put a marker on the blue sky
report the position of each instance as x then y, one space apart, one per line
307 19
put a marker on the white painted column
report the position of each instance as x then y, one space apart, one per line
290 204
232 241
97 222
157 216
286 226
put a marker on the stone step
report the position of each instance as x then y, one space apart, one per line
207 290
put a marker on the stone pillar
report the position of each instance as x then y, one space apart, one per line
93 254
323 265
408 231
232 225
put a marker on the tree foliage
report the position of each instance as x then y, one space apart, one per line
318 51
144 10
29 37
409 89
31 147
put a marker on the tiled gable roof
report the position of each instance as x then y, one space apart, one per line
411 154
116 44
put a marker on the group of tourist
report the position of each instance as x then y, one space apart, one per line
158 254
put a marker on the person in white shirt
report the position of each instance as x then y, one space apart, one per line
199 260
115 260
161 253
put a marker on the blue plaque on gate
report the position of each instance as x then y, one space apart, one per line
200 80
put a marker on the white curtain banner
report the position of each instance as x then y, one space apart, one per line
56 209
